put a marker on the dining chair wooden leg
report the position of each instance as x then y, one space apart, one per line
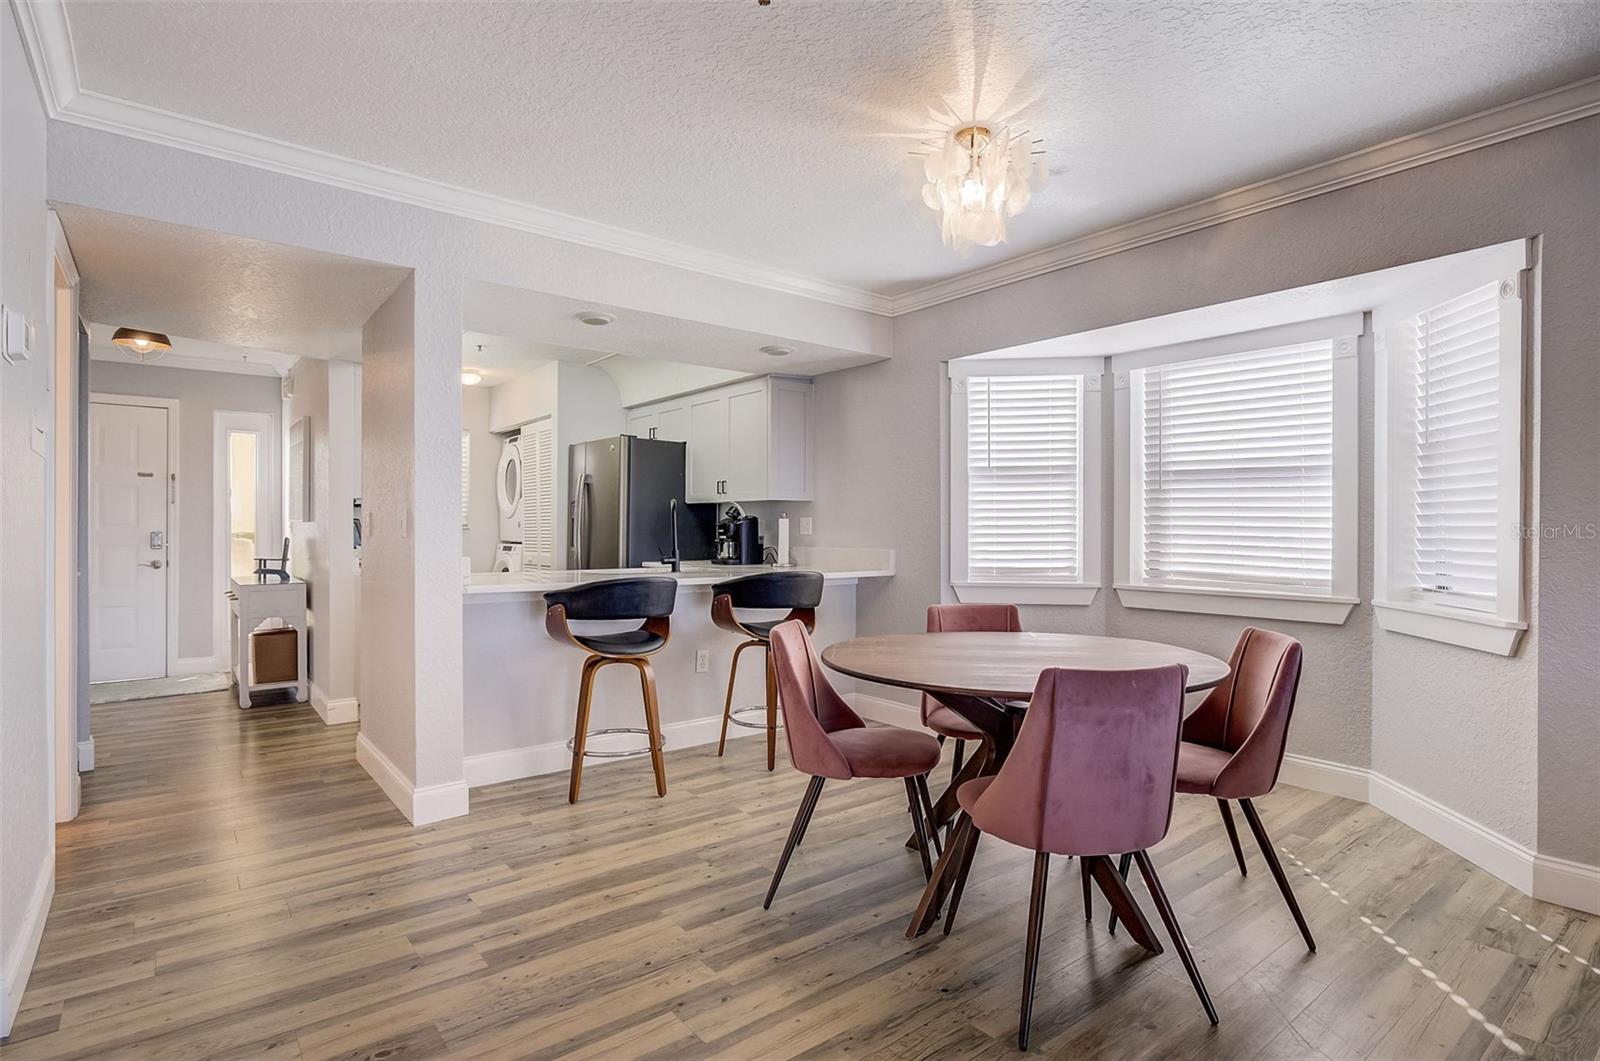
1265 843
919 829
802 818
652 724
1030 961
772 711
1088 888
1124 864
727 704
1122 901
955 761
945 808
579 736
1233 836
1147 870
969 840
927 813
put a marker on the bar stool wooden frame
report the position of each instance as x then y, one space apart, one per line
555 623
722 615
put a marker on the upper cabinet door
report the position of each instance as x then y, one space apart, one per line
672 422
745 476
643 423
708 446
789 435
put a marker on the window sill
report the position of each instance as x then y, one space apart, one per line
1481 632
1080 593
1285 606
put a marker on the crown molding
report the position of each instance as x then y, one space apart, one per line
49 44
1581 99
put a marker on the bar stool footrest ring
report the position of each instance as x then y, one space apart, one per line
627 753
751 722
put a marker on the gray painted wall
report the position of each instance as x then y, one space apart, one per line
200 396
1438 719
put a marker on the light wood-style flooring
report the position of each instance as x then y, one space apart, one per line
237 887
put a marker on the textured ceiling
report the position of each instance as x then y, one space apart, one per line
779 134
223 289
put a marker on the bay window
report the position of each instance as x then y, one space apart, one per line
1448 457
1237 473
1025 480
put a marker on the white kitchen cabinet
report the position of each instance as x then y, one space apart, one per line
748 441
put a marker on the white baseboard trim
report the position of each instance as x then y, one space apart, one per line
335 712
19 962
1553 880
1324 775
421 806
1557 880
514 764
86 755
1505 858
182 666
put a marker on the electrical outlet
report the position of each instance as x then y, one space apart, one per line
805 525
702 660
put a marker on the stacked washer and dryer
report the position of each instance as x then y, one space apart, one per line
508 494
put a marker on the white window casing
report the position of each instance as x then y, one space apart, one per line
1238 473
1025 480
1448 457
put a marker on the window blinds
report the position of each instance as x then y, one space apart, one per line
1023 478
1455 419
1236 475
466 475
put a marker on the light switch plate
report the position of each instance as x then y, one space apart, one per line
16 335
702 660
804 525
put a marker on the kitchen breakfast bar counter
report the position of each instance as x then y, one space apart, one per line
521 687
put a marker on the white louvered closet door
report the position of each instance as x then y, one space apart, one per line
466 475
1453 406
1024 481
538 448
1235 470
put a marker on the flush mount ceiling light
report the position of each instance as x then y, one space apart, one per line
471 377
777 351
978 174
142 346
595 319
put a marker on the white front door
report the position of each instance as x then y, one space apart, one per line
127 542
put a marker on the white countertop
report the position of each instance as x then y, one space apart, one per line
834 564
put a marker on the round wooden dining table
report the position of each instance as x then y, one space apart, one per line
987 678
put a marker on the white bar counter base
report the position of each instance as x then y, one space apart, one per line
521 688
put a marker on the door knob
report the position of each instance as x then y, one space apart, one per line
153 563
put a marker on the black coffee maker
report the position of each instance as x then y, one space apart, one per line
738 538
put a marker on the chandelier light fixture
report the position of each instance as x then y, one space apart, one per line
141 345
977 176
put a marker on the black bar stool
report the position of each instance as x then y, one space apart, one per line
649 599
800 592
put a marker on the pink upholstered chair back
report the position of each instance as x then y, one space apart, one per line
1248 714
1094 765
951 618
812 709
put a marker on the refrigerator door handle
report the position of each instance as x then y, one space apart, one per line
584 551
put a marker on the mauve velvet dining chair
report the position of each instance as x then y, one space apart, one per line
952 618
830 742
1092 773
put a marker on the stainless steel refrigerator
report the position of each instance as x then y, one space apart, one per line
619 504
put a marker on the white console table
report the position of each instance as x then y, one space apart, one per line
252 603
